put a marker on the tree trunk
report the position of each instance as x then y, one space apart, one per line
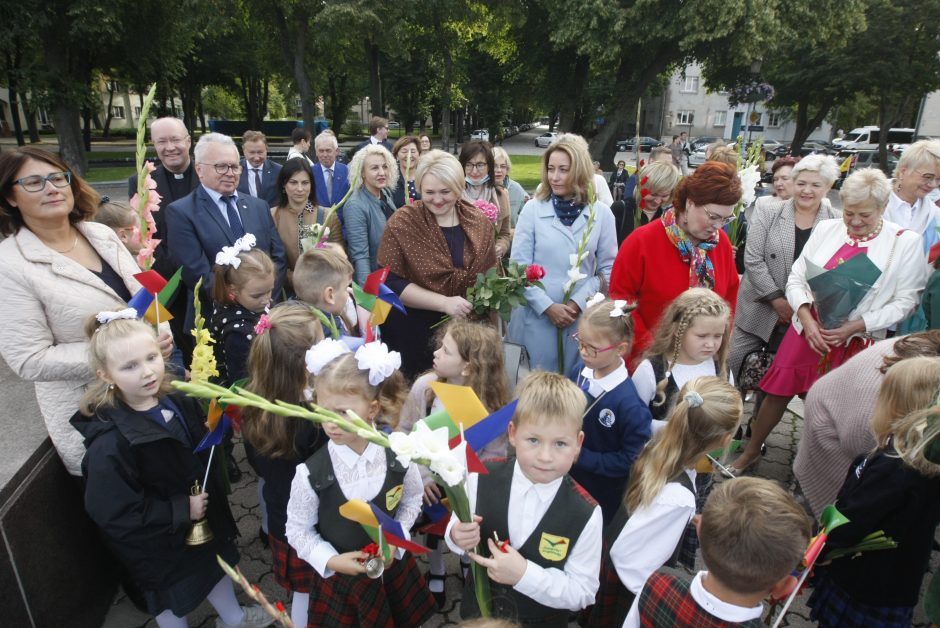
67 119
375 78
445 99
293 49
12 70
805 124
31 125
202 114
106 133
86 129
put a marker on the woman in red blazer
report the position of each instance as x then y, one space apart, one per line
685 249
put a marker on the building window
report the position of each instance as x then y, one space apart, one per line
117 112
684 118
137 111
773 119
720 118
691 85
114 86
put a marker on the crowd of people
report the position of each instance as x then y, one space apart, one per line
618 463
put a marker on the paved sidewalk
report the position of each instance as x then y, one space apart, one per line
256 561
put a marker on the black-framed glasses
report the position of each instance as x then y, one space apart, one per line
588 350
36 183
476 166
223 168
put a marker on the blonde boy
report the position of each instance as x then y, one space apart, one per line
550 565
753 535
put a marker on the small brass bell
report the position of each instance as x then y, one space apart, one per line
200 533
375 566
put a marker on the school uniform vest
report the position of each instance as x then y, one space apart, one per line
549 546
663 411
667 601
343 534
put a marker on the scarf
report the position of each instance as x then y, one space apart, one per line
413 247
476 192
701 269
566 210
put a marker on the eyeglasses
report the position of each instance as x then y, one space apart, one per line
223 168
719 221
36 183
476 165
588 350
170 140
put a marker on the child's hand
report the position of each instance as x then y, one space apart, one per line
466 536
348 563
432 494
197 506
165 341
507 566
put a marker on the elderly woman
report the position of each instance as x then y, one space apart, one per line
518 197
654 196
406 152
807 349
57 268
777 232
476 157
434 249
618 178
685 248
373 174
550 229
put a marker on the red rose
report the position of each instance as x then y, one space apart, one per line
644 192
642 203
642 163
644 180
534 272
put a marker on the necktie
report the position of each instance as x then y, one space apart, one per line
233 220
328 177
257 182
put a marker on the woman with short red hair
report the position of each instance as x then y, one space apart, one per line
683 249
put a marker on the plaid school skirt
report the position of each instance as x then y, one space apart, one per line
399 599
290 571
612 602
831 606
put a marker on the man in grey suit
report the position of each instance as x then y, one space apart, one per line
259 174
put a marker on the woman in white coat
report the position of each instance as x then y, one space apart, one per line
57 268
548 233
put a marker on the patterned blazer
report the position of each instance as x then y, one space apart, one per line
768 258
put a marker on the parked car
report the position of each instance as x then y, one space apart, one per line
867 137
480 134
646 144
394 125
697 157
861 159
543 140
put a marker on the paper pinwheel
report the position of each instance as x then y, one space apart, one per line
150 301
377 298
373 520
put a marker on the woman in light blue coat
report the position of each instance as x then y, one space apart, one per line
550 229
373 174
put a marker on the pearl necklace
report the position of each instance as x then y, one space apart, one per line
871 236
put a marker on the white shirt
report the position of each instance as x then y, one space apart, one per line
602 191
915 216
597 387
651 535
217 197
250 173
295 152
359 477
645 381
708 603
575 587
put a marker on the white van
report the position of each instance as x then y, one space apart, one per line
867 137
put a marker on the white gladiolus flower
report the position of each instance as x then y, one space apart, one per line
452 467
750 177
403 446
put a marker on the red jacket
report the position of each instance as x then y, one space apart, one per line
649 271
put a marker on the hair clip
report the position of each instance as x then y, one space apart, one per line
263 325
324 352
108 316
597 298
693 399
617 312
246 242
228 256
104 199
378 360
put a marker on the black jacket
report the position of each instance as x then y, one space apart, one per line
138 477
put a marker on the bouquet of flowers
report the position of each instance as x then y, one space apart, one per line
489 210
493 292
749 165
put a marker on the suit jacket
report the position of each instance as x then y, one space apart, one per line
368 140
269 172
340 183
198 231
162 262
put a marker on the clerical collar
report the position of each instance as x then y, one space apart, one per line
179 176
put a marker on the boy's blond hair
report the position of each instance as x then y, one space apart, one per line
319 269
752 534
543 395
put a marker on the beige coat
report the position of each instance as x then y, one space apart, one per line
45 300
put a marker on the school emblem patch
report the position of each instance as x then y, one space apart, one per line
553 547
393 496
606 417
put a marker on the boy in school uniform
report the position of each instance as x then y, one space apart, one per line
322 278
753 535
541 532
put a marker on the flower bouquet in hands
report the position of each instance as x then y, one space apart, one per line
493 292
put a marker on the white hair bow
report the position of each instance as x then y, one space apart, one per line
324 352
228 256
597 298
378 360
693 399
246 242
617 312
106 317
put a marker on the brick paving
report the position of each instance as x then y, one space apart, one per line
256 561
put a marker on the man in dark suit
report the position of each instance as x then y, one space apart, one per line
378 132
259 174
330 177
214 215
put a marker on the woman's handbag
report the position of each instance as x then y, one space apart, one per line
753 368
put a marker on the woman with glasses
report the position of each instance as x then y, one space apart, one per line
476 157
406 152
685 248
373 174
809 349
518 197
57 268
549 232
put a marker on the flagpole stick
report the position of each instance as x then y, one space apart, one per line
791 597
208 466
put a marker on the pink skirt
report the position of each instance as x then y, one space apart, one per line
796 366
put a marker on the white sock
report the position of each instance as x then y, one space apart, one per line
167 619
298 609
263 507
436 561
222 598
